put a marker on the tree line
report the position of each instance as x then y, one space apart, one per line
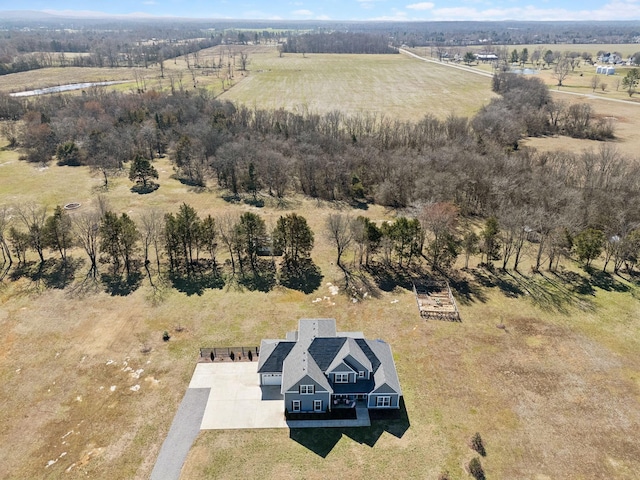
211 251
338 42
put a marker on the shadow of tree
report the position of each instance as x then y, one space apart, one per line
605 281
263 279
53 273
143 190
576 282
121 285
322 440
466 292
305 277
196 283
389 276
490 278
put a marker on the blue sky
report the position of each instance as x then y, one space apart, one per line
411 10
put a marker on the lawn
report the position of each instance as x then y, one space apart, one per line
90 388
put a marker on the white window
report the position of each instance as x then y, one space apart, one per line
383 401
360 374
296 405
341 378
317 405
306 389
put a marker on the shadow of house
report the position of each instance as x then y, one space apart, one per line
322 440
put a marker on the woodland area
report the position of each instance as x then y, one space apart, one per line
444 176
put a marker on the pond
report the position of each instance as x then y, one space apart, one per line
64 88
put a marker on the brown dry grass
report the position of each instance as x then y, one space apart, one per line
556 395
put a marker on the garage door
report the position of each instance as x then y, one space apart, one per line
271 379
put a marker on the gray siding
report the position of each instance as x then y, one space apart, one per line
306 401
395 400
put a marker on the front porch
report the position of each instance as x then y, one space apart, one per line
349 400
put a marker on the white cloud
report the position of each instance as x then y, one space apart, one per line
610 11
421 6
303 13
323 17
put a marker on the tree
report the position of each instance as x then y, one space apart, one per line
367 236
182 232
439 222
561 70
548 57
57 232
405 235
630 81
33 217
524 56
251 237
5 217
68 153
595 81
226 225
490 245
588 245
142 172
294 238
119 236
86 226
470 242
469 58
515 56
151 230
340 233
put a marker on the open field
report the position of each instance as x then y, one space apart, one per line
555 395
389 85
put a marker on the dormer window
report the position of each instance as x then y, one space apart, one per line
306 389
341 378
361 374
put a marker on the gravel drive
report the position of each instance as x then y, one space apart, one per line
183 431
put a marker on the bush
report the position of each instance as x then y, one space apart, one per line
476 444
475 469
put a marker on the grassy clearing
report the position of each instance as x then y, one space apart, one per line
555 395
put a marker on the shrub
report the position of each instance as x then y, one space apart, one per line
476 444
475 469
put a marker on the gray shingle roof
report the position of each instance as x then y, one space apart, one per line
299 364
273 354
386 372
310 328
350 347
318 349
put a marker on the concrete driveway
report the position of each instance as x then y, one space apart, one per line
235 399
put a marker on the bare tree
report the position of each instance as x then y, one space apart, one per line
244 61
5 217
340 233
561 70
151 229
33 217
226 225
87 228
595 81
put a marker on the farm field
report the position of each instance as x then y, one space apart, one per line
390 85
91 388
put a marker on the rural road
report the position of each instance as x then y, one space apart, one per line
490 75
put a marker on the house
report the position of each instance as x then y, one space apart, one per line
319 369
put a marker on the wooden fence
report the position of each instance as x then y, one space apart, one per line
215 354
